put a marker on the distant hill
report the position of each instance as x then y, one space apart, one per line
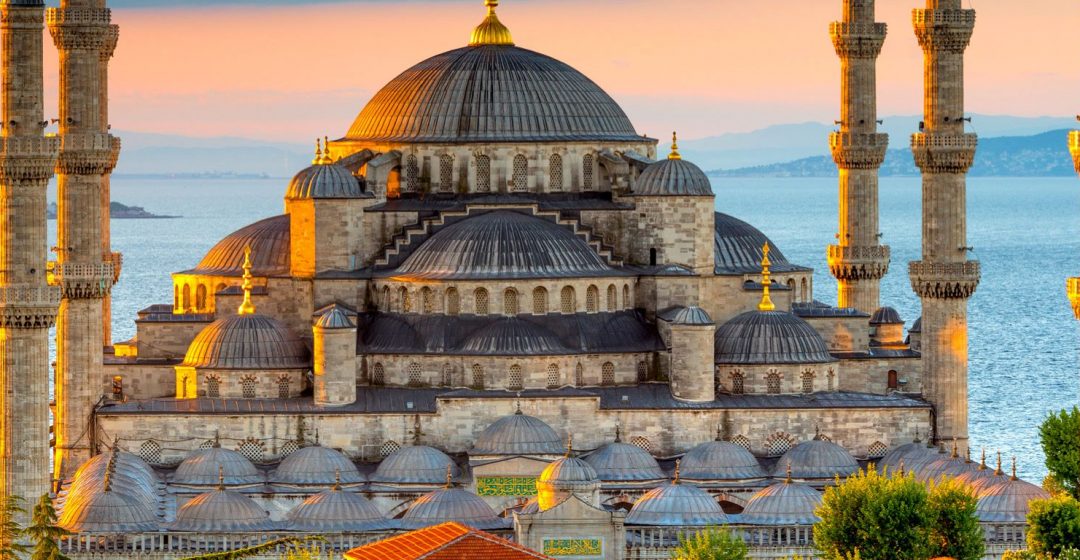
1041 155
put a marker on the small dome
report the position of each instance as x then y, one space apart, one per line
917 327
979 477
324 180
334 318
816 459
737 246
784 503
1008 501
569 473
720 460
451 504
692 315
672 177
518 434
205 466
770 337
623 462
130 475
510 336
415 464
247 342
222 511
950 466
269 242
886 316
336 510
676 504
316 465
912 453
107 510
122 482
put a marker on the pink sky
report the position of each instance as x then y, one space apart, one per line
703 67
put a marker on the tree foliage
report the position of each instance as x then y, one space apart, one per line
1060 436
713 543
955 531
44 533
11 533
1054 526
297 548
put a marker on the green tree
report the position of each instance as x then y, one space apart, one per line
1060 435
1054 526
954 531
297 548
11 532
713 543
44 533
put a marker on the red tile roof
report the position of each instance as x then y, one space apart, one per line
449 541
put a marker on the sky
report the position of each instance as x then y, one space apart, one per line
292 70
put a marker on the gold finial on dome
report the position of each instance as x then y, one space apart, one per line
247 308
449 476
491 31
326 160
766 302
569 445
674 146
678 471
318 153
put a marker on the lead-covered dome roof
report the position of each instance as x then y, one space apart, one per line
216 465
247 342
269 242
415 464
316 465
222 511
107 511
504 245
784 503
518 434
886 316
1008 501
324 180
336 510
676 504
720 460
451 504
492 93
816 459
672 177
623 462
770 337
569 473
737 247
511 336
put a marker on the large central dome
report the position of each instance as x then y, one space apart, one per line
492 93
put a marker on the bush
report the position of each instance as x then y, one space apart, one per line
1060 436
955 531
1054 526
713 543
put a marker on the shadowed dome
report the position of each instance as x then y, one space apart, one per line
492 93
324 180
784 503
518 434
672 177
334 318
1007 501
913 453
107 510
336 510
737 247
692 315
624 462
770 337
511 336
415 464
720 460
451 504
269 242
247 342
676 504
316 465
504 244
203 468
816 459
886 316
222 511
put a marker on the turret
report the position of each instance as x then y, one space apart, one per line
335 358
690 334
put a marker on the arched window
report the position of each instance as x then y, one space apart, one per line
877 450
446 173
176 298
540 301
894 380
378 375
791 286
483 173
406 302
520 177
607 373
627 304
477 376
587 172
612 298
453 301
555 173
808 381
579 375
415 379
213 387
412 174
386 299
553 377
805 290
592 299
510 302
187 298
642 442
290 447
569 300
515 381
778 444
252 449
427 300
481 298
831 376
200 298
388 447
738 385
772 383
447 375
741 441
150 451
642 371
247 387
283 387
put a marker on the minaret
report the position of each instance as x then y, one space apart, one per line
1074 283
85 37
858 261
27 303
944 279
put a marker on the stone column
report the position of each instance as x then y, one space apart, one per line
858 261
85 37
1074 283
944 279
27 303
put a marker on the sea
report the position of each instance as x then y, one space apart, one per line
1024 342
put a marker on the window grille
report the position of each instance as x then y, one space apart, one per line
427 300
283 387
553 380
386 299
738 385
592 299
555 173
388 447
831 377
772 383
607 373
453 301
206 444
515 383
587 164
446 173
741 441
483 174
247 386
642 371
447 375
414 374
477 376
481 296
540 301
200 297
150 451
412 174
626 296
877 450
642 442
521 174
808 382
187 299
213 387
406 303
252 449
378 375
290 447
569 300
579 375
778 444
823 437
510 302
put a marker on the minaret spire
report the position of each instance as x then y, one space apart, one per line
858 260
246 307
674 146
491 31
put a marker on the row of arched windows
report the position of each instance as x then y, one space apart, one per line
774 379
424 300
519 174
248 386
187 299
515 379
799 292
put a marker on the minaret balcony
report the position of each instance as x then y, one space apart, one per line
28 158
82 29
28 306
944 280
858 150
78 16
87 154
1074 148
1073 288
848 262
943 30
117 261
858 40
82 281
944 153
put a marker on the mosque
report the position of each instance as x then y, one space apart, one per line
492 301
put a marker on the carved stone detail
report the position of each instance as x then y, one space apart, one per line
944 153
28 306
852 150
859 263
88 154
944 30
944 280
82 281
28 158
858 40
82 29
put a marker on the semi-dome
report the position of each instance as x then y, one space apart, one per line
886 316
205 467
269 242
119 478
222 511
623 462
324 179
816 459
672 177
784 503
336 510
415 464
1008 501
720 460
770 337
107 510
127 472
676 504
249 342
518 434
504 244
510 336
451 504
692 315
737 246
316 465
334 318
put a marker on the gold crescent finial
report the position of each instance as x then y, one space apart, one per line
618 434
999 472
982 465
678 471
247 308
766 301
449 476
1014 468
318 153
491 31
337 480
326 151
955 448
674 146
569 445
788 479
221 478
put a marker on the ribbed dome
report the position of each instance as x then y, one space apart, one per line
336 510
678 505
324 180
451 504
203 467
770 337
1008 501
568 473
415 464
247 342
950 466
816 459
720 460
623 462
316 465
222 511
492 93
692 315
513 337
130 475
504 244
978 477
334 318
910 454
518 434
785 503
737 246
107 510
672 177
886 316
269 242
